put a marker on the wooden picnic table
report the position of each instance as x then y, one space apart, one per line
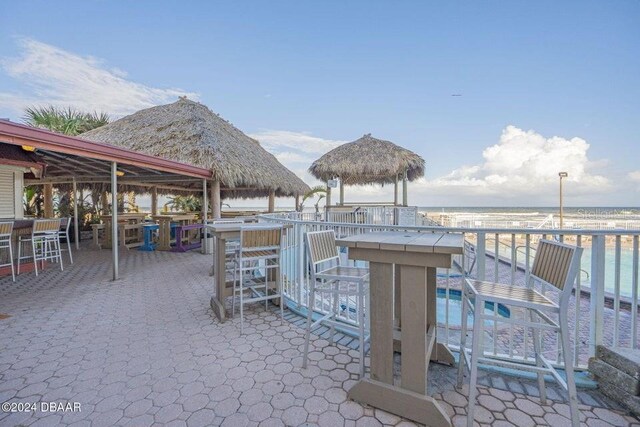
411 259
129 229
164 233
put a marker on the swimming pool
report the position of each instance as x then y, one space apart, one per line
455 308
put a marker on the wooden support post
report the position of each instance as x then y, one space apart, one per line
105 203
341 192
48 201
297 201
154 201
404 189
272 201
395 192
215 199
328 198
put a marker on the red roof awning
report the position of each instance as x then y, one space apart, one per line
17 134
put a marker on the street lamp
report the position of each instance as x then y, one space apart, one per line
561 175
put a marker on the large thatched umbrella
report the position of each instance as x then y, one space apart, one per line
369 160
188 132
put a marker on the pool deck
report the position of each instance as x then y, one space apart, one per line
147 350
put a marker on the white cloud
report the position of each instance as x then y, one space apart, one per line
634 176
51 75
524 166
302 142
296 150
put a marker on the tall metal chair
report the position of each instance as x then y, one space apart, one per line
65 224
45 243
259 250
6 229
329 277
555 267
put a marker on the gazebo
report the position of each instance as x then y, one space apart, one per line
188 132
369 160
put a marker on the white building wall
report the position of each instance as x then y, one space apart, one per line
11 189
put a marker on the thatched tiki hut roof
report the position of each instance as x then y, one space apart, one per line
188 132
369 160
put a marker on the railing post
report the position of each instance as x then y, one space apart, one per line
300 249
597 292
481 255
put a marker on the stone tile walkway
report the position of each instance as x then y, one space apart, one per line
146 350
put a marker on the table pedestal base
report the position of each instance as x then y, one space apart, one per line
404 403
439 352
218 309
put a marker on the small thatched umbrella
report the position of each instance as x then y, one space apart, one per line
188 132
369 160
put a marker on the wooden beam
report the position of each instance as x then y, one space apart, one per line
328 198
297 201
272 201
215 200
341 192
48 201
122 182
154 200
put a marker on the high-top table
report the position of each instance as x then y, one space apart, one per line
221 233
413 257
224 288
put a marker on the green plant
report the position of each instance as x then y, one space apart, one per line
319 191
184 204
33 200
64 120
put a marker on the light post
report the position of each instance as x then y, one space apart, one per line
561 175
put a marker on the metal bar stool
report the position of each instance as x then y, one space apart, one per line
6 230
45 243
65 224
259 250
555 267
329 277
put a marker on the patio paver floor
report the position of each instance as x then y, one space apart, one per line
147 350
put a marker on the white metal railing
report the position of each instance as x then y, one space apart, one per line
605 309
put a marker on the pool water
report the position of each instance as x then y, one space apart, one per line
455 308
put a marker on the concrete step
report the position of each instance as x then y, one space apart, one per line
623 359
608 374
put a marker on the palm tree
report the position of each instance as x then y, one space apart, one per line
68 121
64 120
319 190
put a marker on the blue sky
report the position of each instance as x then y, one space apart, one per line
303 77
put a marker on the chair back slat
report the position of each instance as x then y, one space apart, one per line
6 228
556 263
253 238
65 223
46 225
322 246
